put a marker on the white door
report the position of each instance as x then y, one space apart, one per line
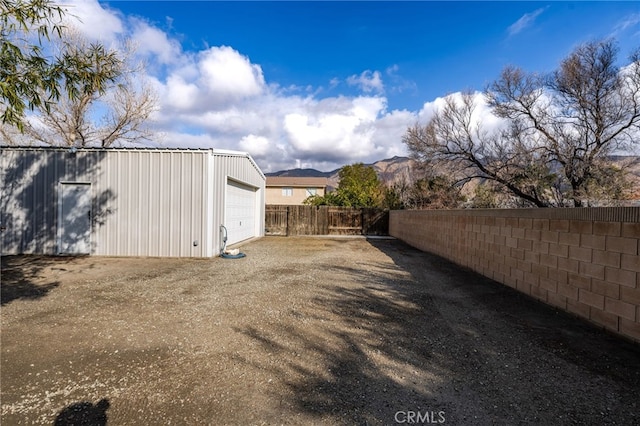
74 226
240 212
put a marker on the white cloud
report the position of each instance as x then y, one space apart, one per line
188 140
152 42
482 114
228 121
93 20
229 75
335 129
392 69
218 79
258 146
218 98
368 81
429 109
630 23
398 84
178 94
389 130
525 21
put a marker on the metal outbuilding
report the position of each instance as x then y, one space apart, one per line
128 201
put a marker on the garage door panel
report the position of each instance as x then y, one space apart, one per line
240 212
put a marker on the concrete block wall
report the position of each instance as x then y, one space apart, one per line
585 261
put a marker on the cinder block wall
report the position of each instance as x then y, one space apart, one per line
585 261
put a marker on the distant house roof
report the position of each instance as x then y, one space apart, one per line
296 181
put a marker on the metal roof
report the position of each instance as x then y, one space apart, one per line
213 151
296 181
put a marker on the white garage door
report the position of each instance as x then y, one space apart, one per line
240 212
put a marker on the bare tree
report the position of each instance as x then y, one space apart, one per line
31 78
559 131
97 116
580 115
455 140
434 193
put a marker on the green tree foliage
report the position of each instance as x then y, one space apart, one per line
119 113
359 187
328 199
32 78
485 196
392 198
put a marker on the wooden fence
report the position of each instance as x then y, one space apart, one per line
325 220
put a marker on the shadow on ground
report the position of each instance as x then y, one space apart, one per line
379 345
84 414
558 332
382 347
22 277
421 335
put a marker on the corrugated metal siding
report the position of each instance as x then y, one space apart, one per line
29 203
145 202
238 168
158 204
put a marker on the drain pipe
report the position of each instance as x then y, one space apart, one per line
224 253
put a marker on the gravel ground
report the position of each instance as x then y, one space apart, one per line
301 331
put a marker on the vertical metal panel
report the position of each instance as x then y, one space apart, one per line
30 195
145 202
241 169
210 231
160 205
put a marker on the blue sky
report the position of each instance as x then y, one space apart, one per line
323 84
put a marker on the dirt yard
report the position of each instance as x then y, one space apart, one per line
301 331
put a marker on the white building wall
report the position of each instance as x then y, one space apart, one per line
146 202
156 204
29 195
235 167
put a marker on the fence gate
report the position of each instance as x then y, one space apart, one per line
325 220
345 221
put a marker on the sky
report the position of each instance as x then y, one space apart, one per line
325 84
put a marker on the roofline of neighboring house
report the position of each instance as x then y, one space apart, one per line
297 182
309 185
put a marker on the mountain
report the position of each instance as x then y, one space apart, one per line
404 169
396 169
390 170
301 173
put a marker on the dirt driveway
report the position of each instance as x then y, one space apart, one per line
301 331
